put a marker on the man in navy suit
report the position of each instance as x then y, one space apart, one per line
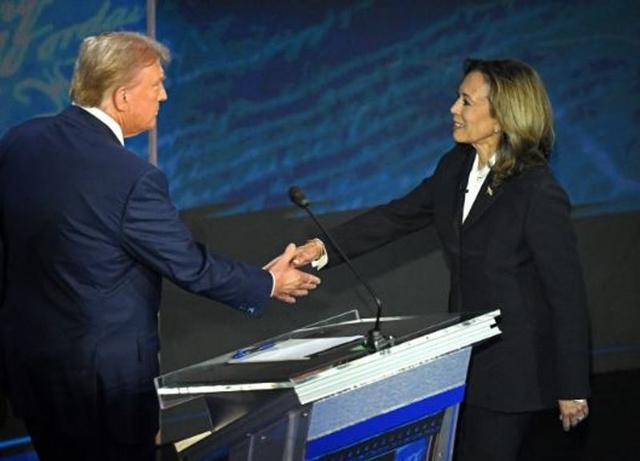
88 231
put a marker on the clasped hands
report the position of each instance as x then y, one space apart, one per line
290 282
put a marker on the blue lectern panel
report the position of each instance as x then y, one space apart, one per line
389 435
413 442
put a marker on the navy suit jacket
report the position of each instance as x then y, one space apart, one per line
516 251
89 231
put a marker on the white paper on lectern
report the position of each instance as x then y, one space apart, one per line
295 349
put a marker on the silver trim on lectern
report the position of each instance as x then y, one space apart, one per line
388 362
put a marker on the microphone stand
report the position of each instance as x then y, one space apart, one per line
375 340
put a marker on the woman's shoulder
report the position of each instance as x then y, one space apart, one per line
539 183
536 175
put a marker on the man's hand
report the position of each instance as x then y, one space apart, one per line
290 282
572 412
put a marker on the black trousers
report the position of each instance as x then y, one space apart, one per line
487 435
53 445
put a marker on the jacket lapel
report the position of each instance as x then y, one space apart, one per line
461 186
485 199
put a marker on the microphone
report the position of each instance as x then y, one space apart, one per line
297 196
375 339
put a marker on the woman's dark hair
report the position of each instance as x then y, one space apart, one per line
520 104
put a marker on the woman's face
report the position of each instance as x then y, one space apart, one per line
472 120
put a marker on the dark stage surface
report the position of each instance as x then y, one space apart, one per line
610 433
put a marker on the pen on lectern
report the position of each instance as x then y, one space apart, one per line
241 353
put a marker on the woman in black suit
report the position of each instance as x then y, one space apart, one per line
509 242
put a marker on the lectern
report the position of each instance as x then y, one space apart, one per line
316 393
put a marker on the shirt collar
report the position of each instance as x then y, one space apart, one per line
106 119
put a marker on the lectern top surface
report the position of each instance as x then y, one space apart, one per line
230 369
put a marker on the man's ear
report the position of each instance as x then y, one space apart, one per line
119 99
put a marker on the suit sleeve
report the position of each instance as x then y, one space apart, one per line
551 238
384 223
156 236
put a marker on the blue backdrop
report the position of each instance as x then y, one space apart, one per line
350 100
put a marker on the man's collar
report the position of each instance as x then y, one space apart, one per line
106 119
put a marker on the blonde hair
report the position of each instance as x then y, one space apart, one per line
520 104
111 60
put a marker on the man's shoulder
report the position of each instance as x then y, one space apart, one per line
27 128
89 131
24 136
116 159
126 160
47 128
77 138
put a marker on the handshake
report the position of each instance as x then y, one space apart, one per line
290 282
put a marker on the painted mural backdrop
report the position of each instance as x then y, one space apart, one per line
350 100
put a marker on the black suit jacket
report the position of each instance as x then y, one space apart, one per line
89 231
517 252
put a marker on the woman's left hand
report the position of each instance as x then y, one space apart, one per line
573 412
